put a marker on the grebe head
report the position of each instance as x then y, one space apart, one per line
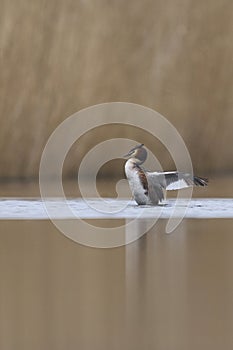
138 154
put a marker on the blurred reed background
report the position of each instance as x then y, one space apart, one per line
57 57
162 291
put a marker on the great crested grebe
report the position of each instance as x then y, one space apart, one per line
148 187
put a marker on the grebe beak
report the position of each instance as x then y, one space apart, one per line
127 155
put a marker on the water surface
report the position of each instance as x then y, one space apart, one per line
160 292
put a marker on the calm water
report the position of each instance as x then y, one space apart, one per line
160 292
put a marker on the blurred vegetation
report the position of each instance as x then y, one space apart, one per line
59 56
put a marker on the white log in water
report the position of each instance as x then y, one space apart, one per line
108 208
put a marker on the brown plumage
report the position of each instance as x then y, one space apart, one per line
143 178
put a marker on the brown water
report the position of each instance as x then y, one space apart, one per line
160 292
